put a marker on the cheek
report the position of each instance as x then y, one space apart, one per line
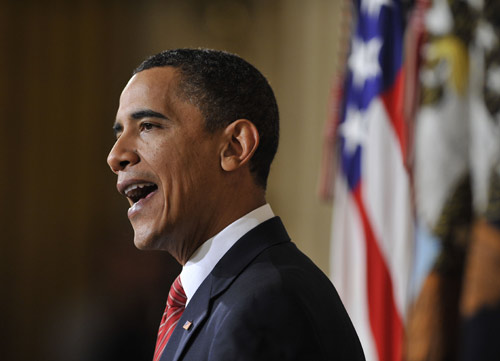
175 168
185 168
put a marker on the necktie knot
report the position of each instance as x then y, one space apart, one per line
176 302
176 296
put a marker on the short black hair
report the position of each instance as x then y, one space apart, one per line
226 88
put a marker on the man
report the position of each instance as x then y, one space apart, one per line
196 132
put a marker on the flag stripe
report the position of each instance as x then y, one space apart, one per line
348 252
393 101
387 199
384 317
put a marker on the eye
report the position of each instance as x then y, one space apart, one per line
147 126
117 130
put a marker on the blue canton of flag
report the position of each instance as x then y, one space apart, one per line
375 59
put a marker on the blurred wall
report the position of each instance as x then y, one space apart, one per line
74 287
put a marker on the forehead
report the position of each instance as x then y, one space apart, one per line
153 88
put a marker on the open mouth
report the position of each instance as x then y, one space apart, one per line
136 192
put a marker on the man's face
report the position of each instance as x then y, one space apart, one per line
168 165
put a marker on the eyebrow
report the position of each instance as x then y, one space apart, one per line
140 114
147 113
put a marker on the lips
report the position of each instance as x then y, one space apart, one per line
135 192
138 192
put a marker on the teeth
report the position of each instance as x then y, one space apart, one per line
136 186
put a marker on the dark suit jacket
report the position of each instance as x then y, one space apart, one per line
265 300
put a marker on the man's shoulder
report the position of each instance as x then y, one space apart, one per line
283 275
286 265
281 295
266 258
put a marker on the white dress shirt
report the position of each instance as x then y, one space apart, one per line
204 259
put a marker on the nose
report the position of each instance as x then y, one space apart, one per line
122 155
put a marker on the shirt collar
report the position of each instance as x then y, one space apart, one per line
210 252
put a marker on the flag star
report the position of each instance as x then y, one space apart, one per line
353 129
363 60
493 79
372 7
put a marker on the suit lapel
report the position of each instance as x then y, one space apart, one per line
248 247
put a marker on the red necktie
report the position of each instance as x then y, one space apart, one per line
176 302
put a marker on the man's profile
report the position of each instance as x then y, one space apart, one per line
196 132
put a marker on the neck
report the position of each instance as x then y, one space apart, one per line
217 218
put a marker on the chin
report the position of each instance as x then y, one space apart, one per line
144 242
148 241
141 245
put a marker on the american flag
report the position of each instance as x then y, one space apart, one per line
372 232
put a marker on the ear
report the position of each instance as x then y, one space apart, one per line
241 139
